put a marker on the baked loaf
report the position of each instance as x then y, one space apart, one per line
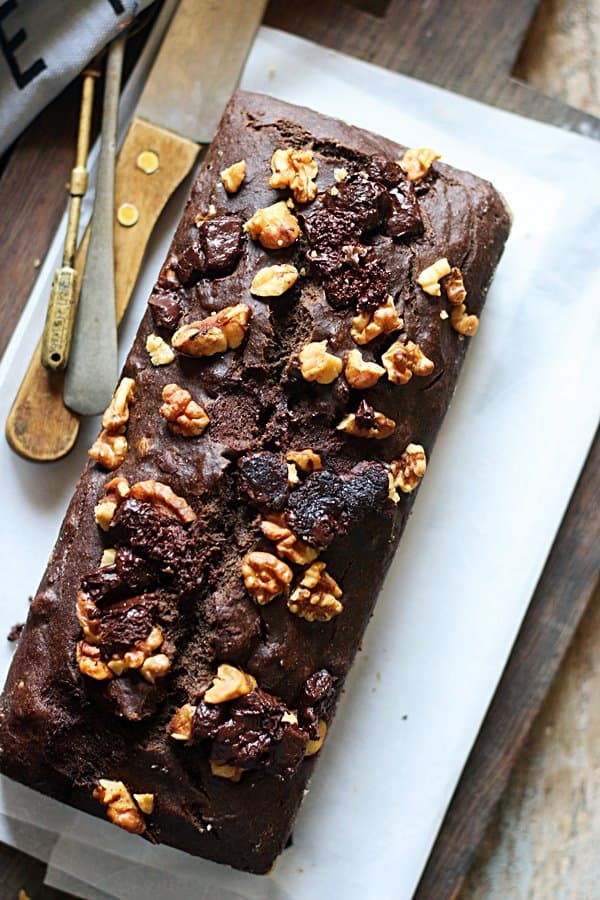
224 548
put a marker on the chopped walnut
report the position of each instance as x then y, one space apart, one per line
306 460
265 576
163 499
159 351
340 174
409 469
217 333
109 450
295 169
145 803
273 226
224 770
184 415
88 617
108 557
273 281
360 374
429 279
455 286
462 322
233 176
417 162
228 684
286 542
142 657
180 726
316 364
316 598
90 662
366 326
293 478
116 414
367 423
402 361
315 745
120 806
115 490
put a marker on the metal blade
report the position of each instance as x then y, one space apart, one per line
199 65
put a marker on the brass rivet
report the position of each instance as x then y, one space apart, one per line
147 161
127 214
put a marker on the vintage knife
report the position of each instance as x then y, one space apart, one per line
197 68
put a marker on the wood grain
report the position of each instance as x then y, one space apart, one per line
469 47
39 426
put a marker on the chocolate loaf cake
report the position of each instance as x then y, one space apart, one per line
225 545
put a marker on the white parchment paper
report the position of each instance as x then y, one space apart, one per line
504 467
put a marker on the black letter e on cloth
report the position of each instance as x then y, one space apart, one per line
10 45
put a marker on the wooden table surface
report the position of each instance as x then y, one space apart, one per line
541 840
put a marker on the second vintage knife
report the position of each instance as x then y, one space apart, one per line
197 68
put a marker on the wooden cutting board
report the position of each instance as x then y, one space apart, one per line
469 47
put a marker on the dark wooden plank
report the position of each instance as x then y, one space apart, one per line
469 47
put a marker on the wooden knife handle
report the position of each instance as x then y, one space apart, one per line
39 426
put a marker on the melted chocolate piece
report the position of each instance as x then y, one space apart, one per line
253 736
163 541
361 282
15 632
206 720
263 480
215 252
128 575
190 263
126 622
166 308
221 241
403 218
386 171
367 199
326 505
365 415
316 701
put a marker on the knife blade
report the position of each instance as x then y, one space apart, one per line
214 38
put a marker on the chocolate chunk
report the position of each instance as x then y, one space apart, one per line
166 308
361 282
221 242
386 171
191 263
366 489
253 736
162 541
317 509
206 720
327 505
365 415
330 227
368 200
167 277
316 701
263 480
128 575
403 218
126 622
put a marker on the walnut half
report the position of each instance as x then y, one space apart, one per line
429 279
184 415
360 374
295 169
273 226
366 326
287 544
402 361
462 322
417 162
367 422
228 684
408 470
221 331
265 576
273 281
316 364
316 599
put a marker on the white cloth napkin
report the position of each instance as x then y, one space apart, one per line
44 45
